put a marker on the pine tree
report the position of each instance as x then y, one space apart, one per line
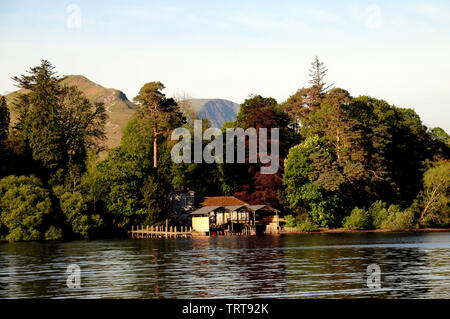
317 74
318 88
162 110
38 113
58 124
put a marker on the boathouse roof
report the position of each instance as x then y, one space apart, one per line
222 201
204 210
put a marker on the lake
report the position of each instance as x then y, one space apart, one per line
413 265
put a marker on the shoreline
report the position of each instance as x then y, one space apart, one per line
343 231
288 231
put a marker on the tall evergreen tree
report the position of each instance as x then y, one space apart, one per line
56 122
38 113
317 74
319 87
154 103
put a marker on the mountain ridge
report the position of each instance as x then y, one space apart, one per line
120 109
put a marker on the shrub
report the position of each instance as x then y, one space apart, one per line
307 225
290 221
378 213
53 233
24 207
358 219
77 215
398 219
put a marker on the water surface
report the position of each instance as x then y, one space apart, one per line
413 265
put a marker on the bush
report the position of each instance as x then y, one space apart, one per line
77 215
307 225
24 207
378 213
53 233
290 221
359 219
397 219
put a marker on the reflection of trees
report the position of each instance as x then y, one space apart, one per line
334 265
21 270
313 265
256 264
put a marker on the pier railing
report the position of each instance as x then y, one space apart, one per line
160 232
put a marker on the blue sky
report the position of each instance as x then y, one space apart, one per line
398 51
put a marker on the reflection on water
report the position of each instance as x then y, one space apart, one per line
290 266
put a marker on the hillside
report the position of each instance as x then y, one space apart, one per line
217 111
118 107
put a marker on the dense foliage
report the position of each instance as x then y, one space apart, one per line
353 162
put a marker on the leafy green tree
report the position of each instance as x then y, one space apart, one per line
25 204
153 199
76 212
82 125
302 193
121 177
436 194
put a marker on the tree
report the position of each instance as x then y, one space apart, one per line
154 103
4 121
82 125
307 100
317 74
303 194
4 131
318 86
76 212
246 180
153 199
440 142
121 177
58 124
38 113
24 205
436 193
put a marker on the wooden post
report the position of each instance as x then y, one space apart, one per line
167 226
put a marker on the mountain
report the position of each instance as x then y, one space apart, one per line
217 111
119 109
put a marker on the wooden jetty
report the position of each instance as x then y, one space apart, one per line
160 232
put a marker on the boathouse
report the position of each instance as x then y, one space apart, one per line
228 214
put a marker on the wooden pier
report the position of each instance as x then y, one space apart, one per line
160 232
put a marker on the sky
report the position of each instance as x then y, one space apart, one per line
398 51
